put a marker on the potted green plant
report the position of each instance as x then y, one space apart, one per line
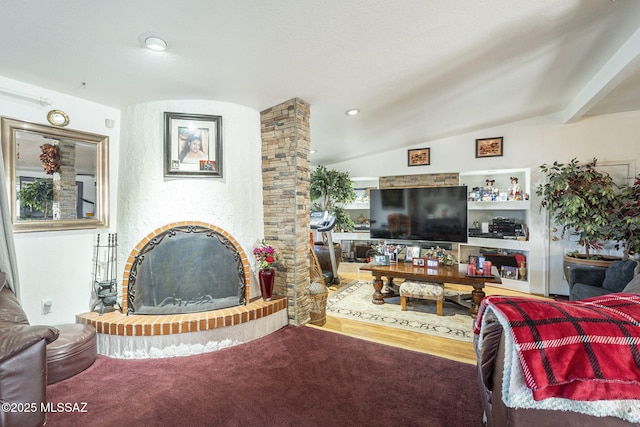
624 219
330 189
579 198
37 195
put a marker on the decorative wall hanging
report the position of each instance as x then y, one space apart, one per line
489 147
50 158
419 156
192 145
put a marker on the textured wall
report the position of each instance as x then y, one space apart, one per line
148 200
423 180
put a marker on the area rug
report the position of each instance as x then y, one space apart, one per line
354 302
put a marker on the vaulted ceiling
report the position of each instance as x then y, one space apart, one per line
418 70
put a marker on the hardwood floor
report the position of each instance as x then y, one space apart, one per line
443 347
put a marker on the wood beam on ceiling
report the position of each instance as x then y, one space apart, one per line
621 65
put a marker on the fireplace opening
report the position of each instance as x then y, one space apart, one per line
186 269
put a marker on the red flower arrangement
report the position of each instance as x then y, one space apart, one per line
266 255
50 158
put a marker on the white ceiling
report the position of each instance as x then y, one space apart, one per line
417 69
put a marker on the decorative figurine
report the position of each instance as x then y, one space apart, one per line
514 193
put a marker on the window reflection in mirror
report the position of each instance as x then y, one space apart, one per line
56 178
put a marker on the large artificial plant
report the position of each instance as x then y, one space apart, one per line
624 219
330 190
37 195
580 199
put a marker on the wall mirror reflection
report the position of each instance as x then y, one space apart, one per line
57 179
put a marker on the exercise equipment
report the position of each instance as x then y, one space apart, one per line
324 222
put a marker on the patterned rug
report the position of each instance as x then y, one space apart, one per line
354 302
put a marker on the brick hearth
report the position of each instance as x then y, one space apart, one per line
116 323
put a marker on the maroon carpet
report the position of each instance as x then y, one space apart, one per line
297 376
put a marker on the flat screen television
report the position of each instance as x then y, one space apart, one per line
436 214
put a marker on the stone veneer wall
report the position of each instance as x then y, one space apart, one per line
285 186
423 180
64 190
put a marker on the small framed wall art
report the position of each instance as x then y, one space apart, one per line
419 156
489 147
192 145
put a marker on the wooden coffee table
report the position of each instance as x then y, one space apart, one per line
442 274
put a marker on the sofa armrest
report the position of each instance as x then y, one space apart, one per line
16 338
587 275
486 355
23 380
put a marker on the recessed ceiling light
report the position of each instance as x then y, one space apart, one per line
352 112
155 43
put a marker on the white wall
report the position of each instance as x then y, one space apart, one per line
527 144
58 265
148 200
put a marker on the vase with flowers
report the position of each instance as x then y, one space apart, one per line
443 256
267 257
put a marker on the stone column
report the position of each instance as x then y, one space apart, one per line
65 194
285 187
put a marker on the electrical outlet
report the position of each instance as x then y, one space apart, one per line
47 306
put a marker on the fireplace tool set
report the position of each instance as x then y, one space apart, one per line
104 274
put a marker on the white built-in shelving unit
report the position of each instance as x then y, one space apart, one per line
483 212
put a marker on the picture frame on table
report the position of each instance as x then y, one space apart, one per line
192 145
489 147
433 262
419 156
412 252
419 262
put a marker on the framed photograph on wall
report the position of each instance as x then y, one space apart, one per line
489 147
192 145
419 156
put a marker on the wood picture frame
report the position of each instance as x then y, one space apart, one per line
192 145
418 262
489 147
433 262
419 156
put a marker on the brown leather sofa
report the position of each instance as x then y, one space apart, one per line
490 360
23 364
31 357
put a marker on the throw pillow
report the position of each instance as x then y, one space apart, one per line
633 287
618 275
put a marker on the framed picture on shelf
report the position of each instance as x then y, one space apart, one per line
489 147
508 272
419 156
418 262
192 145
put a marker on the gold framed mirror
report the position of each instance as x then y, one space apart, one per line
57 179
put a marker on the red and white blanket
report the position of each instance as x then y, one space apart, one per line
584 350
